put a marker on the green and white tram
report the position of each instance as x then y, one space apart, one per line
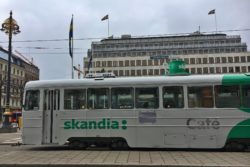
199 111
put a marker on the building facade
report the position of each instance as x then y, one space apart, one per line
203 54
21 72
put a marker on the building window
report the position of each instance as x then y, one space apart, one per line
230 59
132 72
248 58
231 69
150 62
109 63
120 72
192 60
217 59
198 61
205 70
144 62
224 60
243 59
243 69
193 70
132 62
138 62
236 59
144 72
211 70
186 60
218 70
127 73
200 97
126 63
237 69
199 71
211 60
224 69
204 60
139 72
121 63
156 62
150 72
156 71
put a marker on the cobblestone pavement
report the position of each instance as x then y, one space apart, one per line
62 156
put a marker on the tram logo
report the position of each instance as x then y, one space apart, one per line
208 123
105 123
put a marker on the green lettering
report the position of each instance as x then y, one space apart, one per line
102 124
92 125
67 125
124 124
115 125
84 125
75 124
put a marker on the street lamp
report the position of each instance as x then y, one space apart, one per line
10 27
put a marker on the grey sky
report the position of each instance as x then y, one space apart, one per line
50 19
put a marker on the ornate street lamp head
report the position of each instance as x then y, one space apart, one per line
10 26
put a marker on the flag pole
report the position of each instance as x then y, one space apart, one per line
72 52
108 26
215 22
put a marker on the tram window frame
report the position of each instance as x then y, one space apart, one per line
95 103
245 96
174 101
78 97
146 103
32 100
117 98
226 101
204 96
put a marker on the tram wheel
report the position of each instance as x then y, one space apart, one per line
235 146
119 144
77 145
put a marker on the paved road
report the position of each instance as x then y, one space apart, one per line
62 156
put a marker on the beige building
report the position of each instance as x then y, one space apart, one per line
21 72
203 53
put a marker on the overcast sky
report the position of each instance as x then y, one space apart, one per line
50 19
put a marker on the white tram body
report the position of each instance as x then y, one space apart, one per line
200 111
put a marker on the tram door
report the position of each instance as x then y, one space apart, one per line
51 109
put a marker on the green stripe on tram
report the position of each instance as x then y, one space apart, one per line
242 129
233 79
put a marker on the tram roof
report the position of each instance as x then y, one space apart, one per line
128 81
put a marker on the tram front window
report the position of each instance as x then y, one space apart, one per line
32 100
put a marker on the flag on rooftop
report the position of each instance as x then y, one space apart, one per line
71 37
105 17
211 12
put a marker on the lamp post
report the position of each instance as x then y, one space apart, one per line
10 27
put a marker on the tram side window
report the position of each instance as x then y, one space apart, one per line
246 96
74 99
32 100
227 96
200 96
122 98
173 97
147 97
98 98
